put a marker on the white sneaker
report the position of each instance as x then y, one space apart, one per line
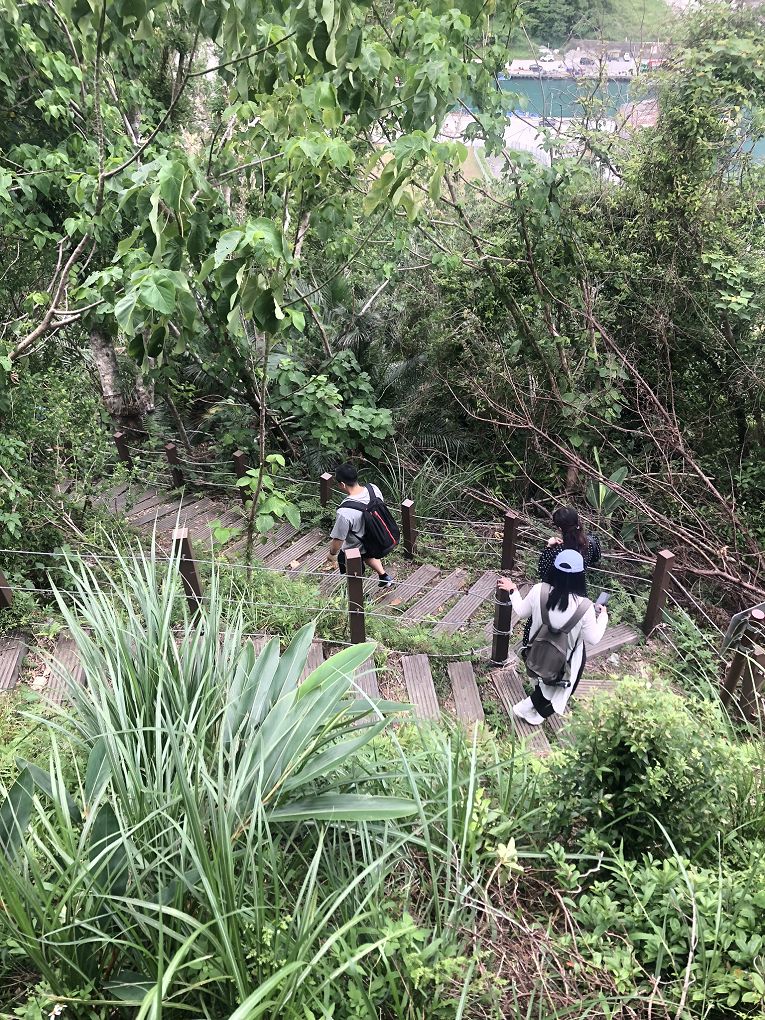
525 710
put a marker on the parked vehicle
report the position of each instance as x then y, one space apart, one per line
586 61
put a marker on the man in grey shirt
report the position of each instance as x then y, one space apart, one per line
348 532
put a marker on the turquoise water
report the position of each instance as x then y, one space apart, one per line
556 98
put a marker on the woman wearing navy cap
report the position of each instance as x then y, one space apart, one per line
564 594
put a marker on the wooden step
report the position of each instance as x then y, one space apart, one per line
288 554
114 499
198 520
171 514
419 684
365 677
555 725
591 685
615 637
433 601
67 662
467 700
148 501
309 565
121 498
261 549
60 489
404 591
331 582
510 691
313 660
13 649
463 610
112 493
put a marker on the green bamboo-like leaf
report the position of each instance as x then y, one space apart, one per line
345 662
344 807
43 781
324 762
15 812
259 692
108 851
292 662
256 1004
97 772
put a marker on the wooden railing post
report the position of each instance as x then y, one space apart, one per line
120 441
755 622
509 540
171 452
356 621
192 586
503 615
240 467
408 528
325 487
6 592
658 595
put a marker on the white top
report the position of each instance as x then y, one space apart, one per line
590 628
349 523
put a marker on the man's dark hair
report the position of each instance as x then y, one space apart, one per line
346 473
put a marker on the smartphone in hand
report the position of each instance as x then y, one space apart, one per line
601 600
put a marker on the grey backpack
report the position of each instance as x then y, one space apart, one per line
546 655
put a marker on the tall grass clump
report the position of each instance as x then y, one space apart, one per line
232 842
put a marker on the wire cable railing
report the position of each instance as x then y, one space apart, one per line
499 544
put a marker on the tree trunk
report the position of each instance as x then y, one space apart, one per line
126 413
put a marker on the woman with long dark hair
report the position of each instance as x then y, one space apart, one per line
560 604
572 536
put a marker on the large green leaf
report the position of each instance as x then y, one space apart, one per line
264 236
157 290
172 178
124 309
227 243
344 807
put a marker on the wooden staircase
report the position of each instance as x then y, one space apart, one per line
450 602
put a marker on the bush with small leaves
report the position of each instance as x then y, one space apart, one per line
644 765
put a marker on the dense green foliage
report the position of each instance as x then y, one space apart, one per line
238 225
199 832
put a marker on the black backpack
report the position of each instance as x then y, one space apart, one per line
546 655
381 534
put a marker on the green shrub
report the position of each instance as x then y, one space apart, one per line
681 925
641 760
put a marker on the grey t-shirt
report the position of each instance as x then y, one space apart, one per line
349 523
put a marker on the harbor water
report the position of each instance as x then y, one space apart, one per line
561 98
